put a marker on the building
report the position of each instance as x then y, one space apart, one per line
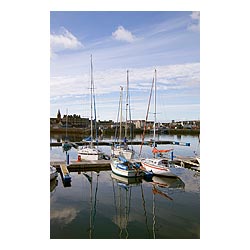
139 124
74 121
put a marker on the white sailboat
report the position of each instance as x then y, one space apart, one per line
122 147
121 165
159 166
124 167
90 152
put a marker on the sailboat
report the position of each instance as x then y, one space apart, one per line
122 147
90 152
121 165
159 166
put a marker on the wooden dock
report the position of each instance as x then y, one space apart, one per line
82 165
187 162
103 165
65 173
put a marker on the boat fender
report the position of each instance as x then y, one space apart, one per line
137 165
79 158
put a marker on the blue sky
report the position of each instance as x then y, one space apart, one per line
119 41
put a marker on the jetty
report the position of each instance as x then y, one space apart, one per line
187 162
76 166
65 173
109 143
103 165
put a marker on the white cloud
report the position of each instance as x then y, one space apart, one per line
195 15
107 81
194 27
73 90
195 24
122 34
63 41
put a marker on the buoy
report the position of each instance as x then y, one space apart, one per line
79 158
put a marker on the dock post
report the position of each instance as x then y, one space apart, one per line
67 158
172 155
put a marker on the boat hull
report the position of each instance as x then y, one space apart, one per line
158 170
90 154
116 167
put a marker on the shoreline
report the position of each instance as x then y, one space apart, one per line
81 131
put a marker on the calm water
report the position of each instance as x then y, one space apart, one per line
101 205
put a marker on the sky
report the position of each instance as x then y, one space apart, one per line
137 41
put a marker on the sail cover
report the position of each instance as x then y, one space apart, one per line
155 150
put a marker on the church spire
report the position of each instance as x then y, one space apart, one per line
58 116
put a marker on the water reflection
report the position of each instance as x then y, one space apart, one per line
93 180
104 205
122 200
164 187
122 188
101 205
126 181
53 184
168 182
63 216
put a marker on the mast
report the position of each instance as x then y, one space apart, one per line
66 139
91 103
126 124
145 124
155 109
120 136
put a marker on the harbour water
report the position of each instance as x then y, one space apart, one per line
101 205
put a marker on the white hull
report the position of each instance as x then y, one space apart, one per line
159 170
90 154
89 157
126 173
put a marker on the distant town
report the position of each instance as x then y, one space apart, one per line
76 123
